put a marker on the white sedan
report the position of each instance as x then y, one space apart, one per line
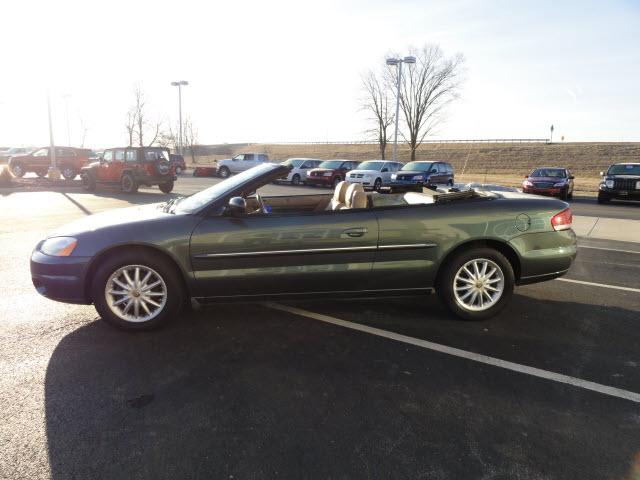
374 173
300 166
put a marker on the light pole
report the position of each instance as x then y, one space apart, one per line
54 172
551 129
180 84
398 63
66 107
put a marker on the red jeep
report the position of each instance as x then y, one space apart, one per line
69 160
131 167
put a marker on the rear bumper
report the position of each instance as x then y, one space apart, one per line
545 255
60 278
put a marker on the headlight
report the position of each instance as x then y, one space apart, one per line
419 177
527 183
559 184
609 183
59 246
394 176
326 174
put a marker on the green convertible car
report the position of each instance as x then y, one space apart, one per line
139 265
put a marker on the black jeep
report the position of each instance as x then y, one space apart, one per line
622 182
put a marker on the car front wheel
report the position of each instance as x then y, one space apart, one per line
224 172
476 284
88 182
166 187
17 169
128 184
69 173
377 184
136 291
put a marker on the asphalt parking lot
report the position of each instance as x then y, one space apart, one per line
378 388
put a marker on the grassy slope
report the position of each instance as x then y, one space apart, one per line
505 163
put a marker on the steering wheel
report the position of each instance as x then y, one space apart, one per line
263 208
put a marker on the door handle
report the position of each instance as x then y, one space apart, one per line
354 232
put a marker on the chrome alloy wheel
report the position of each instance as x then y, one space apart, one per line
136 293
478 284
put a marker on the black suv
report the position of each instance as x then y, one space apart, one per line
622 181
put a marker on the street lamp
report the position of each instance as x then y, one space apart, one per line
66 107
397 62
54 171
180 84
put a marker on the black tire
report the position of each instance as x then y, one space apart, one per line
162 267
41 173
295 180
88 182
195 173
69 173
166 187
335 182
564 195
377 184
128 184
447 280
224 172
450 183
17 169
603 199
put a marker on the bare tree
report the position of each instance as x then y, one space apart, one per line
190 137
376 102
427 88
138 125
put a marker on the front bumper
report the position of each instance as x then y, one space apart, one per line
553 191
605 192
60 278
325 181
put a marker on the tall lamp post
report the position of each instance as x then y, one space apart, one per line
180 84
54 171
66 107
398 63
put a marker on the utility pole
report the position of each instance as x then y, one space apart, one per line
54 171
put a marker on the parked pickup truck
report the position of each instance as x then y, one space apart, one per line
69 160
240 163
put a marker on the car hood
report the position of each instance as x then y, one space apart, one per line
546 179
111 218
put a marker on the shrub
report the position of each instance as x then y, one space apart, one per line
5 177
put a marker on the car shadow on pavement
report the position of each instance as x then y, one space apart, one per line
248 392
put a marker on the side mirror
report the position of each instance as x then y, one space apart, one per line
237 206
602 174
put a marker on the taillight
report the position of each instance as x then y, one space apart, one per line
562 221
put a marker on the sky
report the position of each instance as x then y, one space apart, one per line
291 71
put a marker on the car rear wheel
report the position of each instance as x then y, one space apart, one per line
128 184
224 172
476 284
69 173
166 187
136 291
295 180
17 169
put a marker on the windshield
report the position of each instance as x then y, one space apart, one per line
549 172
417 166
293 162
332 164
198 200
624 170
371 165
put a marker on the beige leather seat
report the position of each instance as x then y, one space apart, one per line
355 197
339 195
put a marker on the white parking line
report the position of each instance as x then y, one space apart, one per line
456 352
601 285
609 249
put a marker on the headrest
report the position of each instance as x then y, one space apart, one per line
354 187
359 200
340 192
